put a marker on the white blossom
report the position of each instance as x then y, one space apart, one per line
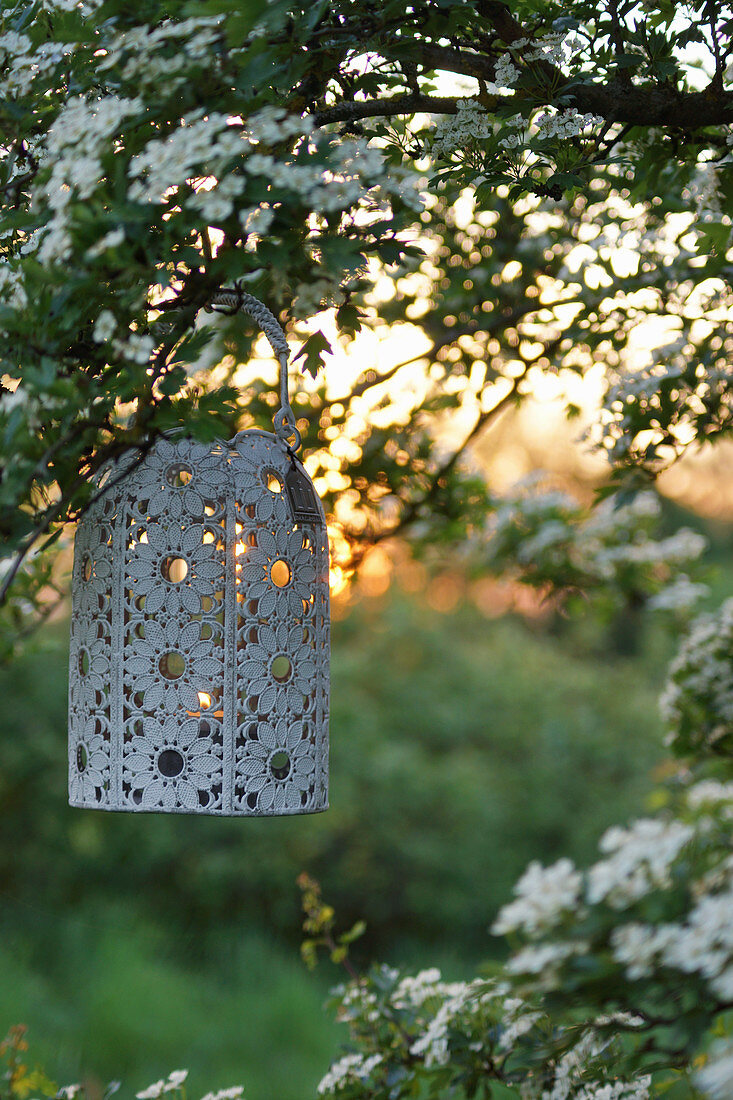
565 124
701 679
104 327
233 1093
136 347
352 1067
12 290
639 859
705 942
109 240
74 147
516 1022
175 1080
680 595
637 946
544 896
544 958
710 792
152 1092
470 124
433 1043
506 72
715 1079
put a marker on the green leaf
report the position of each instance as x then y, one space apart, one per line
312 352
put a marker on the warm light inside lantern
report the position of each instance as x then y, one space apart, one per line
280 573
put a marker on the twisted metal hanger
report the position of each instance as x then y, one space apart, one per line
234 299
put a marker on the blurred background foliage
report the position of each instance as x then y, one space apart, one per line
463 745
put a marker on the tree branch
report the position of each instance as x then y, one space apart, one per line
406 104
615 101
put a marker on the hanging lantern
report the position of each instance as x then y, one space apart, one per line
199 657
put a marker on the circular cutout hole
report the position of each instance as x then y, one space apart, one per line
172 665
83 662
272 481
174 569
178 475
86 568
81 757
280 764
280 573
281 668
170 763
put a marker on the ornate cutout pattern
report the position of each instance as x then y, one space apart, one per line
198 673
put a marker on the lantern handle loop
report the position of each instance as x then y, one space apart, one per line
235 299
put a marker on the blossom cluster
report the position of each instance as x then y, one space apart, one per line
161 56
72 161
558 543
647 862
652 414
415 1029
565 124
469 126
174 1084
715 1078
697 702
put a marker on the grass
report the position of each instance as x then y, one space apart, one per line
114 1004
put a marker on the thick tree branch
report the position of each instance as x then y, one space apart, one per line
614 101
406 104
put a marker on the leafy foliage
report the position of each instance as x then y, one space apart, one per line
544 727
576 187
152 154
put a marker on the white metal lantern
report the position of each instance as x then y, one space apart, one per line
199 656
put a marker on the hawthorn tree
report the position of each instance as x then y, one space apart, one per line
534 182
493 162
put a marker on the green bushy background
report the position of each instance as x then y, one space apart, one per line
462 747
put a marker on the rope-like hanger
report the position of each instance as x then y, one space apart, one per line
234 299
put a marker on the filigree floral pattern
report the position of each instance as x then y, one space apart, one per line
89 764
172 766
180 479
90 655
276 767
279 667
175 568
93 567
171 666
199 639
278 572
251 475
